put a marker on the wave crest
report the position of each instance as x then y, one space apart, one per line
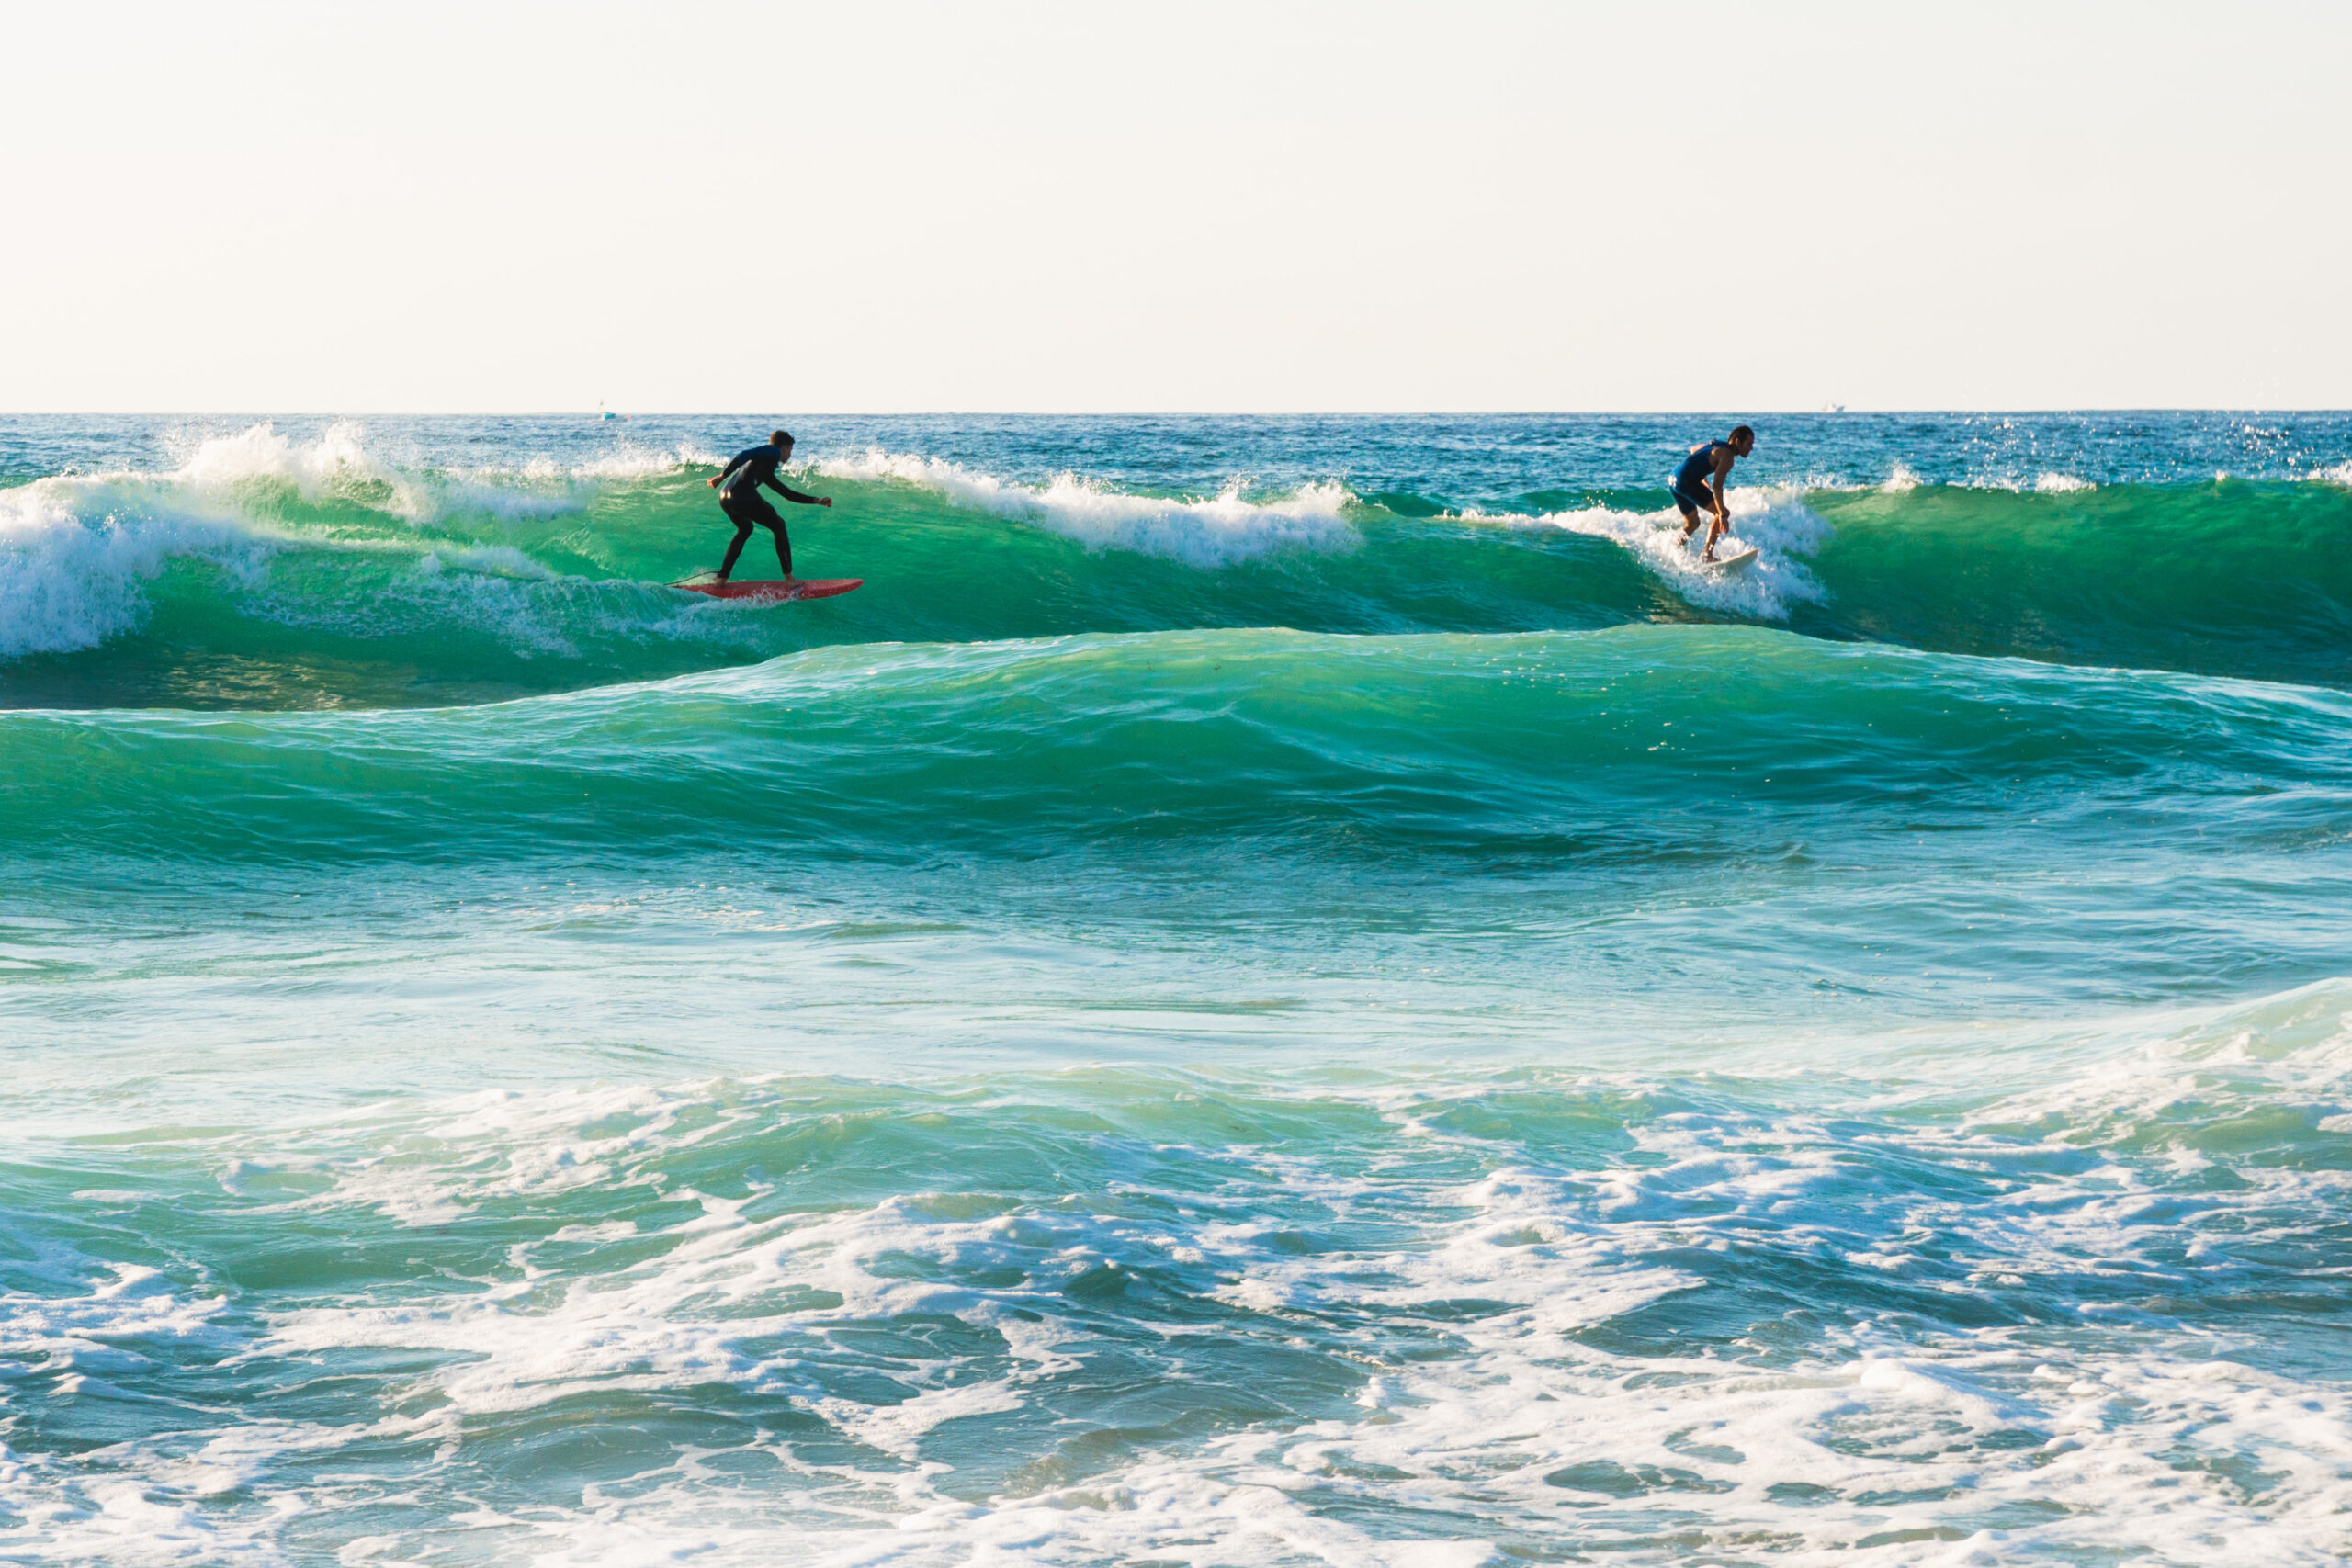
73 573
1777 521
340 464
1220 531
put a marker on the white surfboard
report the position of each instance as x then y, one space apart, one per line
1732 566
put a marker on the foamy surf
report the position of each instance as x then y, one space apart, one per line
1104 1315
1775 523
343 463
300 531
550 544
76 554
1207 533
1435 1045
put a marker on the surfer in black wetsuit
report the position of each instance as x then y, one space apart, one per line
740 498
1699 484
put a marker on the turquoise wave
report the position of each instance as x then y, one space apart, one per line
2229 578
1377 1013
263 593
1556 742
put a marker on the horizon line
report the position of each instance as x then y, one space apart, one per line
597 415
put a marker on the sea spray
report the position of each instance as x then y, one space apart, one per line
1204 532
1269 991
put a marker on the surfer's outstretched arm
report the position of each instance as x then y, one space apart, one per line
790 493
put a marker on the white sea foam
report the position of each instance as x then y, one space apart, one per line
78 552
337 460
626 460
2050 482
75 1329
95 1326
1219 531
339 465
1776 522
75 555
78 558
342 462
1466 1292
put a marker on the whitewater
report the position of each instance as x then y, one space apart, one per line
1268 991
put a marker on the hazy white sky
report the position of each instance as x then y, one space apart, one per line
1204 206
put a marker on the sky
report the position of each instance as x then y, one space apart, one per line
1206 207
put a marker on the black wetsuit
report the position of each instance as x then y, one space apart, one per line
740 498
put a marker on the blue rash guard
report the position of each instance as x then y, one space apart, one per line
1690 480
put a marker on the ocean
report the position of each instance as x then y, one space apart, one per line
1269 991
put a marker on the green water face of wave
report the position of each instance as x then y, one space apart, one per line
2235 579
1547 744
261 595
1019 1064
1645 824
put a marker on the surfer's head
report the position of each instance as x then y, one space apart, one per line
1743 440
781 440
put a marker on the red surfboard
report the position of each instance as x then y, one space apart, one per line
775 593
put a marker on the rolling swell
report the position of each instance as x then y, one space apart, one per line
853 1083
279 575
265 574
1551 743
2228 578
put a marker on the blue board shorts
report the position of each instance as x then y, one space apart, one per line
1698 500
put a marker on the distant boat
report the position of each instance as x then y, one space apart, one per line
1825 407
603 412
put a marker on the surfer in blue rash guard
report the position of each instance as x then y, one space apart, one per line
1699 484
739 496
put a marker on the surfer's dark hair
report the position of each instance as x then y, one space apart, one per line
781 437
1739 430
